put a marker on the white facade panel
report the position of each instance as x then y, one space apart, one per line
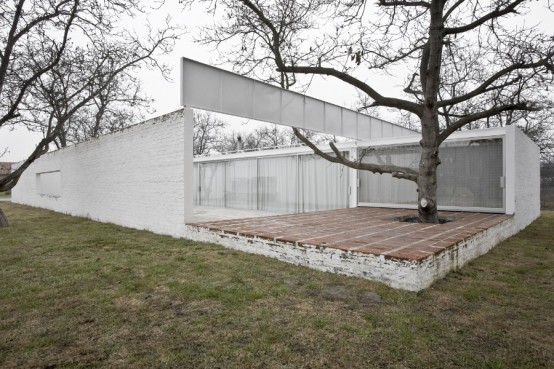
387 130
314 115
349 123
333 119
237 95
209 88
364 126
396 131
292 109
265 107
201 88
376 129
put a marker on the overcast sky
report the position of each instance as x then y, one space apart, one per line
20 142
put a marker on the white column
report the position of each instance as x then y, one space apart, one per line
353 180
188 182
510 162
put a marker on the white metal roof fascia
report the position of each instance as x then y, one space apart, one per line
458 135
214 89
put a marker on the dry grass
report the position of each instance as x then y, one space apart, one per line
81 294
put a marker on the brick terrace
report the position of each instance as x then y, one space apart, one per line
366 230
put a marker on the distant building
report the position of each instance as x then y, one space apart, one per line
5 169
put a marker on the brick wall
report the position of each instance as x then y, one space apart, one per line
136 177
527 180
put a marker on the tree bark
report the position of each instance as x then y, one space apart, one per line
430 81
3 220
427 184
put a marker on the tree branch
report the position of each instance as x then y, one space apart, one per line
404 3
481 115
545 62
396 171
282 67
492 15
452 8
379 99
12 112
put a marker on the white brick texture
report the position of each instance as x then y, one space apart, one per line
139 177
527 180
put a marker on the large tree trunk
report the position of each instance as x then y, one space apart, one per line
3 220
430 81
427 185
427 179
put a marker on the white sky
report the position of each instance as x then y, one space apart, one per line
20 142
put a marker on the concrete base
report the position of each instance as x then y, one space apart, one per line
412 275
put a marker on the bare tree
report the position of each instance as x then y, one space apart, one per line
234 141
537 125
268 137
273 136
112 100
207 133
462 61
45 77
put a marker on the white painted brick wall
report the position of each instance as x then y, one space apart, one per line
136 177
527 180
404 274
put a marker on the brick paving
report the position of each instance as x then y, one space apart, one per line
366 230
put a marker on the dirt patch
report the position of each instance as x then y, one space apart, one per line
334 292
370 298
128 302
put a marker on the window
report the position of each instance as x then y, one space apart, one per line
49 183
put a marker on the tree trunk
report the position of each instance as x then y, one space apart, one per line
429 161
3 220
427 185
430 81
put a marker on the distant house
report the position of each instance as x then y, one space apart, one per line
5 169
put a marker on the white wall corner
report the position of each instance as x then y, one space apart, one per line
353 180
527 180
510 165
188 182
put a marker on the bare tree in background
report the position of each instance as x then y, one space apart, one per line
207 133
240 141
90 92
462 61
267 137
83 73
36 50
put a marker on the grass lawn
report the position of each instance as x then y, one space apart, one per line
77 293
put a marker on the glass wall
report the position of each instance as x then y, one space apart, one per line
384 188
469 175
212 184
285 184
278 184
240 184
324 184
